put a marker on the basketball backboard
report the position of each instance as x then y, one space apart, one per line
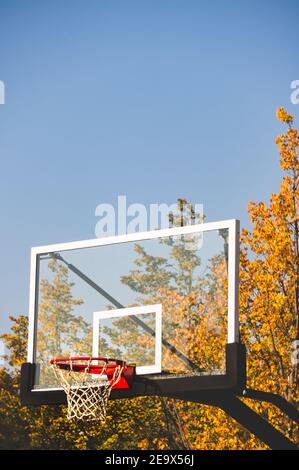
165 300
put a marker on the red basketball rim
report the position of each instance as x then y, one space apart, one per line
74 364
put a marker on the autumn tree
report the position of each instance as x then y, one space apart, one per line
269 282
268 309
13 423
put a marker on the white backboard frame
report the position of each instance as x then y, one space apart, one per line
124 312
232 225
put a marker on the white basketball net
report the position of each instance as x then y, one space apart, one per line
87 395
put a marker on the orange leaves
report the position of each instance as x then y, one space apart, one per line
283 116
288 145
269 263
274 225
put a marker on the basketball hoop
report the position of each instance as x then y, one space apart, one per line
88 381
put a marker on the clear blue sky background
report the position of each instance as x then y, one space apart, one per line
151 99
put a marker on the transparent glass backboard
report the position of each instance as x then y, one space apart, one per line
165 301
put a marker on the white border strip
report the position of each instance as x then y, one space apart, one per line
131 237
32 307
233 282
124 312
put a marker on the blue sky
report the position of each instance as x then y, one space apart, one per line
149 99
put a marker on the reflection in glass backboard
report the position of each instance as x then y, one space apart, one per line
83 297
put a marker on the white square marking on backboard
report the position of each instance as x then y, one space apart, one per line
124 312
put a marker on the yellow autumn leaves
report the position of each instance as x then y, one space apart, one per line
283 116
